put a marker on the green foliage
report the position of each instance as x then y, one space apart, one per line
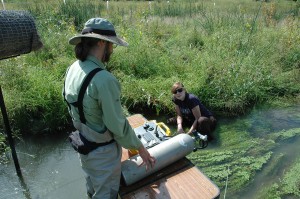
36 100
79 11
170 9
2 143
224 52
291 61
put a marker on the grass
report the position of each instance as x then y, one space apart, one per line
225 54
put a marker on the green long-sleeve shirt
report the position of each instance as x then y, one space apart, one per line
101 102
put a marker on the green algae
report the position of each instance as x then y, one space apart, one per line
288 186
285 134
239 156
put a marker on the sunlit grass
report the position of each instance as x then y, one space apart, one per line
225 53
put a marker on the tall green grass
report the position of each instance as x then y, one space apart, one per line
231 54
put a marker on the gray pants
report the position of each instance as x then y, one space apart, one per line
102 169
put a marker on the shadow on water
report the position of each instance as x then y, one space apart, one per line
51 169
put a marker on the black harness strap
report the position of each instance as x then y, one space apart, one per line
82 91
83 88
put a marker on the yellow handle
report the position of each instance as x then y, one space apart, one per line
165 128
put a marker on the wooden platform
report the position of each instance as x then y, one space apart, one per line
180 180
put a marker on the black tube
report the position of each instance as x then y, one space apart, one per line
9 134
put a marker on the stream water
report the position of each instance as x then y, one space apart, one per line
263 121
51 169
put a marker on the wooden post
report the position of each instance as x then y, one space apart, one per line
9 134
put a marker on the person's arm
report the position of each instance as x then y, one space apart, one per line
197 114
113 116
117 123
179 120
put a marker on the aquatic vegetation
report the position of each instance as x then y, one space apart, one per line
287 186
271 192
242 168
291 180
241 156
211 158
285 134
273 165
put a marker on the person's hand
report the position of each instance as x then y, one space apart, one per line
180 129
212 118
148 160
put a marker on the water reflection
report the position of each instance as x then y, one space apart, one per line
273 120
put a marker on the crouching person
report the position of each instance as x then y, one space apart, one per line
190 111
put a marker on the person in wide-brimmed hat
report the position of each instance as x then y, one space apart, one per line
96 110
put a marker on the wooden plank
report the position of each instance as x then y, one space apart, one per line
178 165
136 120
177 181
180 180
187 183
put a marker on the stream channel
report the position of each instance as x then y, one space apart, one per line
51 169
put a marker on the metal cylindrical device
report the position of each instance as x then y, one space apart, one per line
165 153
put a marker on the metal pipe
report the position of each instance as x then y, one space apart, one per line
165 153
9 134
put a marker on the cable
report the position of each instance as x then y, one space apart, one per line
226 182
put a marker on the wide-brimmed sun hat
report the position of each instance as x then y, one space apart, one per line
98 28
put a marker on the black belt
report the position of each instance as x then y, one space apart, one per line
95 145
